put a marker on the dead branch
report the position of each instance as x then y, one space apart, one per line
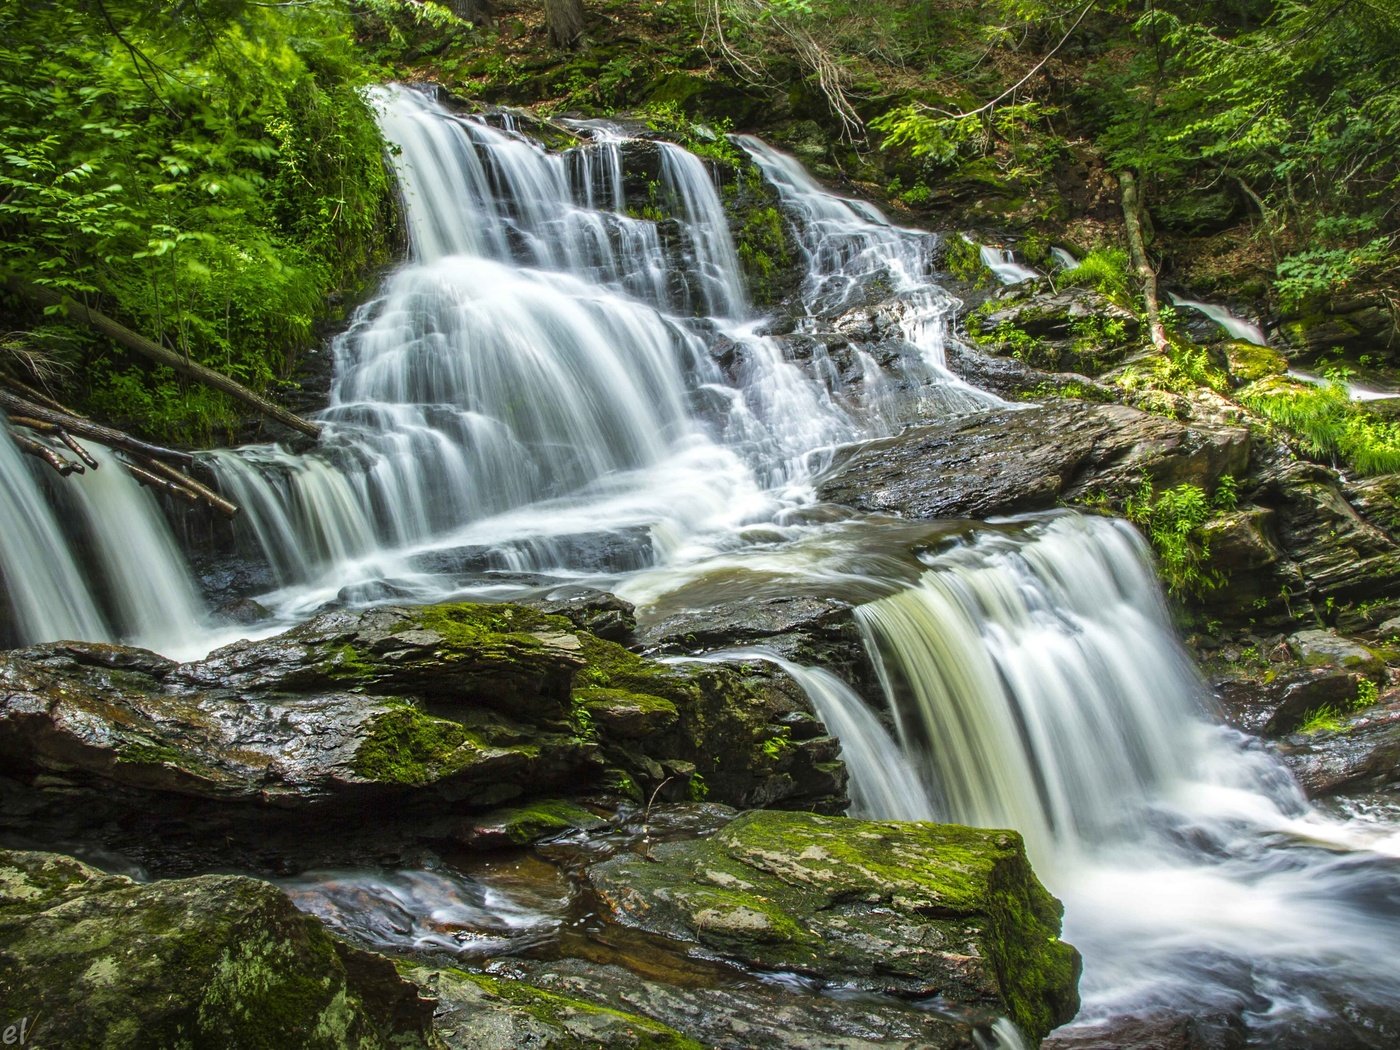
133 341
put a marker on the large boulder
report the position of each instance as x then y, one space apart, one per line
1015 460
401 710
911 909
220 961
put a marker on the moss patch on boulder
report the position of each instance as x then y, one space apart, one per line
218 961
912 909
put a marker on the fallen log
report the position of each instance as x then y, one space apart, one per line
201 490
78 450
42 451
154 481
17 407
147 348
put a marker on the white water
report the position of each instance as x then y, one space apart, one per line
1237 327
1040 686
1004 266
1355 391
90 557
1063 259
536 375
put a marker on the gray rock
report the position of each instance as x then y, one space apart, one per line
911 909
1326 648
1009 461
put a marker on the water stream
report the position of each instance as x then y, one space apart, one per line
560 384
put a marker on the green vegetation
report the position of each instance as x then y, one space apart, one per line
1327 424
405 746
1333 718
1105 270
208 174
1172 521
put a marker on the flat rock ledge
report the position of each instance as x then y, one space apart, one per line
1016 460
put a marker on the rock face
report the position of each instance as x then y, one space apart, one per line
404 710
1013 461
913 909
477 1012
218 961
1070 330
1363 756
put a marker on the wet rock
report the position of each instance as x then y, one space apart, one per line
1279 706
217 961
607 551
596 612
1241 539
804 628
912 909
481 1012
1011 461
522 825
1323 648
1364 755
396 711
1159 1030
722 1011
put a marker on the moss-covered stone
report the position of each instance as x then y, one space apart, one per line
218 961
626 714
482 1012
405 746
1249 362
916 909
522 825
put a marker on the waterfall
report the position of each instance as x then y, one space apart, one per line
46 591
1004 266
1037 684
1237 327
92 558
567 378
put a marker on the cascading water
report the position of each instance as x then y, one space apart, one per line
1039 686
92 558
536 371
1236 327
1004 266
552 365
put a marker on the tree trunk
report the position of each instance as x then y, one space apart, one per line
140 344
477 12
1137 250
564 20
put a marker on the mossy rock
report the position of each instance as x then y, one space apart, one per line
522 825
625 714
910 909
217 961
1249 362
480 1012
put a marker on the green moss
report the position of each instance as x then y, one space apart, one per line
525 824
764 252
469 625
964 261
557 1011
346 664
405 746
149 752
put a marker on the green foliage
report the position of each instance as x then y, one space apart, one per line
1106 270
698 790
1172 521
964 261
209 175
1327 424
1321 271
